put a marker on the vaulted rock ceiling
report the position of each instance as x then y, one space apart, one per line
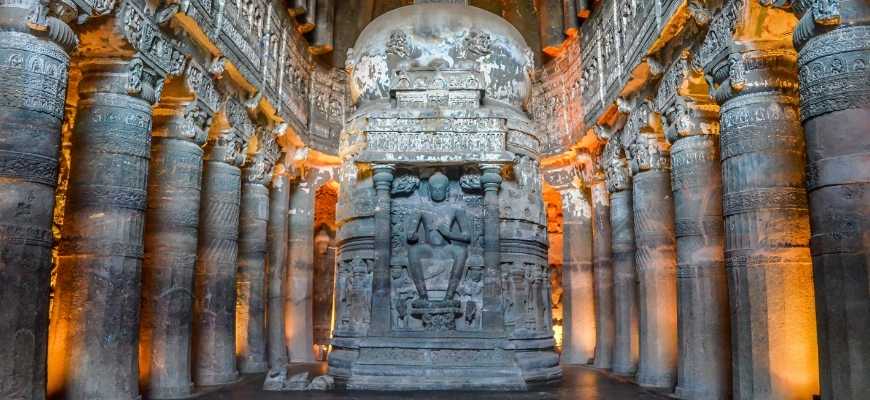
351 16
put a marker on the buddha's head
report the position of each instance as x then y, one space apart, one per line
438 184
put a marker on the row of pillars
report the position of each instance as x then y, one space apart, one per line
165 244
731 259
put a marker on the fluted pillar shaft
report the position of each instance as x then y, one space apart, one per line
279 200
31 112
251 278
773 329
214 355
298 319
625 310
578 344
704 368
834 48
655 253
95 322
603 271
171 228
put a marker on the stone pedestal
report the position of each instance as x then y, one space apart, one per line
835 87
773 325
34 72
95 320
605 330
171 228
625 309
214 352
251 278
703 313
298 308
579 334
279 200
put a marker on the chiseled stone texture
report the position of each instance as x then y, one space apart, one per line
834 92
442 277
298 320
95 321
251 278
766 225
605 324
579 335
279 201
625 290
34 74
214 352
171 231
702 298
655 257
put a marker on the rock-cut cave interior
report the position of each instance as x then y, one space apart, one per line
434 199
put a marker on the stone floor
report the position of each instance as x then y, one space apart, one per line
579 383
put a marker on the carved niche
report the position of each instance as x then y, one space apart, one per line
436 266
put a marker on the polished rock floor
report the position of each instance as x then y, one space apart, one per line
579 383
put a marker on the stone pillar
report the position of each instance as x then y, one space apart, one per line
625 311
171 228
380 313
773 331
550 26
251 277
579 333
214 353
279 200
95 319
493 312
298 320
834 49
655 253
703 313
603 269
31 112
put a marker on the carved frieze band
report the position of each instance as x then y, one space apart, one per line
755 199
28 167
835 72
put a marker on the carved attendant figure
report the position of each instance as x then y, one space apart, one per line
438 220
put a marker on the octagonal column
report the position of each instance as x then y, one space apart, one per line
625 310
579 341
773 325
655 255
279 201
214 354
171 230
34 66
95 319
298 322
833 39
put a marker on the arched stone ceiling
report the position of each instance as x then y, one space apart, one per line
353 15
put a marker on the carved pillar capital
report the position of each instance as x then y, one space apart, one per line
41 18
491 178
615 166
383 176
686 117
645 140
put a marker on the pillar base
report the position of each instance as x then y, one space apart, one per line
253 367
180 392
698 394
215 380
